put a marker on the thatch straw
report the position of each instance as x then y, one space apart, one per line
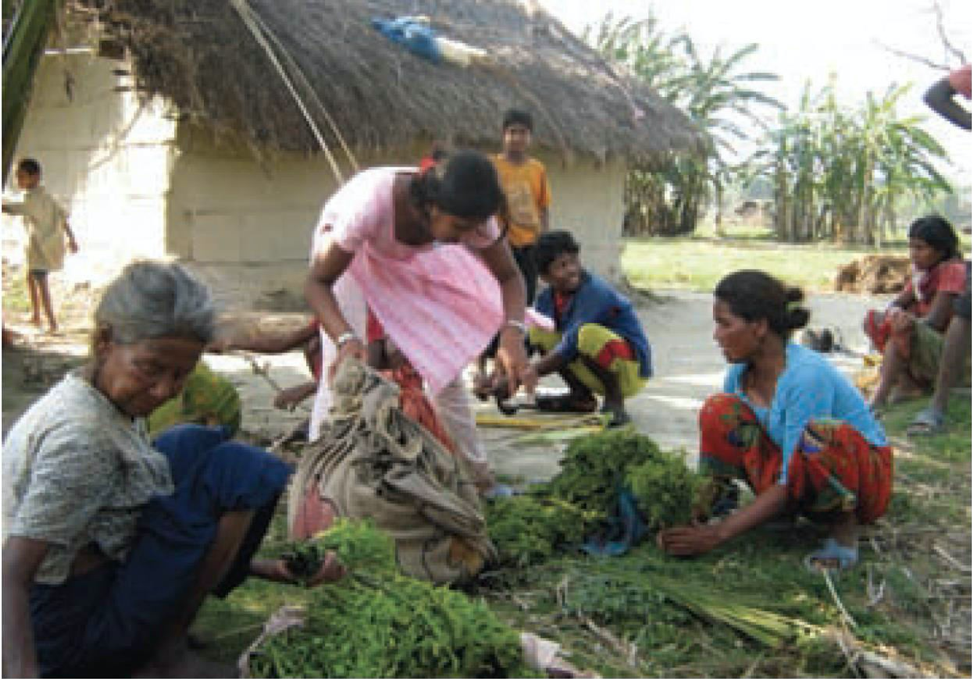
199 55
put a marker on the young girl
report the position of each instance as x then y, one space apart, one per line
909 333
413 247
788 424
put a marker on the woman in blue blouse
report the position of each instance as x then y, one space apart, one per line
788 424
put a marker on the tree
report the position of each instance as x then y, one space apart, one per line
714 92
841 172
23 46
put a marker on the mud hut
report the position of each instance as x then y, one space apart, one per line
174 128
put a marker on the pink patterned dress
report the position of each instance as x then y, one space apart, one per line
438 303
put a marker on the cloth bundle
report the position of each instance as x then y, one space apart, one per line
372 461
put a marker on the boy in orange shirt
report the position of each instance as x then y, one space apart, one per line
524 181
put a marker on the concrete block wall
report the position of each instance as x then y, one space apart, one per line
107 156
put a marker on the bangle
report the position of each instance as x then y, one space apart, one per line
344 338
519 325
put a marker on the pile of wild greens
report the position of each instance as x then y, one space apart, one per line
528 529
376 622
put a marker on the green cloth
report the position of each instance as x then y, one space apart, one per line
207 399
926 356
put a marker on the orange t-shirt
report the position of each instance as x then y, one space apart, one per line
527 195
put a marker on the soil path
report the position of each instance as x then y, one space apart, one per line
688 367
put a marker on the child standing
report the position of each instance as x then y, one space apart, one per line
524 181
598 346
46 224
527 192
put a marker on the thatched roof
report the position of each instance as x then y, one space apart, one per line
200 55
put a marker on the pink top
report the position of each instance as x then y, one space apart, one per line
438 303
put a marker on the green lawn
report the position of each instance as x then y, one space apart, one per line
698 263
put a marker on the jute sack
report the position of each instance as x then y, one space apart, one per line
371 461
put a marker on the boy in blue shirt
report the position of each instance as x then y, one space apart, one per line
598 345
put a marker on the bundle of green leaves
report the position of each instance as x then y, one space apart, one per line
594 468
665 489
529 529
376 622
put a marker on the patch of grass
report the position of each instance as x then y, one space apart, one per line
699 263
15 296
644 614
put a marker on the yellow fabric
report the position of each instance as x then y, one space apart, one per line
527 195
44 222
590 341
207 398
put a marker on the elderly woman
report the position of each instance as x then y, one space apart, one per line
111 545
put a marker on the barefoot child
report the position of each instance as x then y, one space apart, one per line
598 345
46 224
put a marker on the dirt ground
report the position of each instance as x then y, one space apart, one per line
688 367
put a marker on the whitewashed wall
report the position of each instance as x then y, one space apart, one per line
588 201
106 156
138 185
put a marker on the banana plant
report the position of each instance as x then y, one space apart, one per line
715 91
23 45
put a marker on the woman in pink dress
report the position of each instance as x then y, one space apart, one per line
424 252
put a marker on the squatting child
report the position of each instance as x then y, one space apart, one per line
598 345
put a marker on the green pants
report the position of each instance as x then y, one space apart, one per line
592 340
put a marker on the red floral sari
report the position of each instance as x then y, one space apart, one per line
834 469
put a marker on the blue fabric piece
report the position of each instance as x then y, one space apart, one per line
104 622
597 302
831 550
624 529
809 388
414 35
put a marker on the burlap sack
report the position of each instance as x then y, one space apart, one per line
371 461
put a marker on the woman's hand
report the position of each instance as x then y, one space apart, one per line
352 348
331 570
697 538
513 362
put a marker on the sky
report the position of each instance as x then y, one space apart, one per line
801 40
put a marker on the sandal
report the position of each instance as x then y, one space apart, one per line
928 422
846 557
566 403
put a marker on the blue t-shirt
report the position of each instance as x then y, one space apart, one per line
808 388
597 302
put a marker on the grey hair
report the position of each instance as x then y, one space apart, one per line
153 299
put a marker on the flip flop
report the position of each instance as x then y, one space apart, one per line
565 403
832 550
928 422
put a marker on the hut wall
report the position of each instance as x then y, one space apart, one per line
106 156
588 201
246 226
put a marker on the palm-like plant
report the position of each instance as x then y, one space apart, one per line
23 46
840 172
713 92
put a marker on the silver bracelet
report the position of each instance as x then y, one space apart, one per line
519 325
344 338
